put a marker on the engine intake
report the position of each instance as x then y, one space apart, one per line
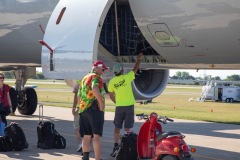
149 84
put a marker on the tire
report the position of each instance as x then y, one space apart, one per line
170 157
29 106
231 100
227 100
13 96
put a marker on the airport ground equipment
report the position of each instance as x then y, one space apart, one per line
155 144
227 91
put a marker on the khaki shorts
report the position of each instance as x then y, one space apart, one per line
124 114
76 121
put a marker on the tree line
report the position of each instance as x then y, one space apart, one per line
186 75
10 75
178 75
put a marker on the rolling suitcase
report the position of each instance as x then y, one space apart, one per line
16 136
45 132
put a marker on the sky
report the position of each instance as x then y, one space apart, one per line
221 73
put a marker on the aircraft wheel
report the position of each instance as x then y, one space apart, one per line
170 157
227 100
29 105
13 96
231 100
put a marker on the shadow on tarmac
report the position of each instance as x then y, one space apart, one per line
65 128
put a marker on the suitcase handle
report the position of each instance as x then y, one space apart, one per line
40 113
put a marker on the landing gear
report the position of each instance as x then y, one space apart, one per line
25 99
27 105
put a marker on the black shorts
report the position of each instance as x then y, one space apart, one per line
91 121
79 126
124 114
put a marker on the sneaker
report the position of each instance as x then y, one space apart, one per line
114 152
79 149
12 114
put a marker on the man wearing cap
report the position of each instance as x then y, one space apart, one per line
91 109
120 92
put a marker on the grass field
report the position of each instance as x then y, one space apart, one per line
173 102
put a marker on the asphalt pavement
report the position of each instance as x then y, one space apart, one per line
213 141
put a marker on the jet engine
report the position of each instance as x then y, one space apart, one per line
104 30
148 84
121 38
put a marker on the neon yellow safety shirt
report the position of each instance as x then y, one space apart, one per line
122 87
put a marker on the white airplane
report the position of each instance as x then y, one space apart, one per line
64 37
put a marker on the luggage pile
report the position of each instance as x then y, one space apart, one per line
13 138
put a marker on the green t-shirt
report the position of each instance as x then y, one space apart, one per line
122 87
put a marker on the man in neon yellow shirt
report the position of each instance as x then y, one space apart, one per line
120 92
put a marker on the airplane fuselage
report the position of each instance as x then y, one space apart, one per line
186 34
192 32
22 23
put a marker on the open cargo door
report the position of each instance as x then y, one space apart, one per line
70 43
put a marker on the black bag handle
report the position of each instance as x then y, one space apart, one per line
40 112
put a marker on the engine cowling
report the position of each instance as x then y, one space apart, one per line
149 84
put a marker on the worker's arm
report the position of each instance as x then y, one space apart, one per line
112 96
139 59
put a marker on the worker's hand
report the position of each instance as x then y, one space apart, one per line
140 56
101 107
73 111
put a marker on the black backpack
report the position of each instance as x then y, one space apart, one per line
60 141
16 136
5 144
128 147
46 135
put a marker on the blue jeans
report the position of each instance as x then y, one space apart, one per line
3 119
2 127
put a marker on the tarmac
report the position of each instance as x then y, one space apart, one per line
213 141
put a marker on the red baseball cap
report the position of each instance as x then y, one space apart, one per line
100 64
